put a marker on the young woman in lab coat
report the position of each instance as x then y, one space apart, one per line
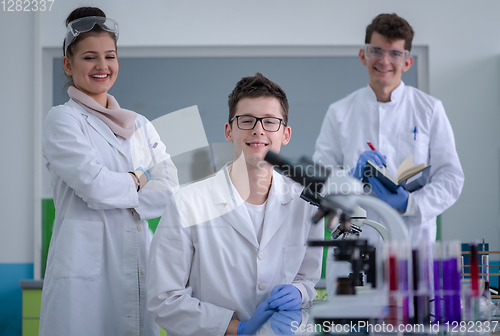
110 173
235 251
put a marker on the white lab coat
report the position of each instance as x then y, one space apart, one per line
95 278
358 118
206 269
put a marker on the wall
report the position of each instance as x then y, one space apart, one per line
462 36
16 138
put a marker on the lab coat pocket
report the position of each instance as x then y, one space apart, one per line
416 144
78 251
292 259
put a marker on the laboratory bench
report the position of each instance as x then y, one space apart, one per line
32 298
32 295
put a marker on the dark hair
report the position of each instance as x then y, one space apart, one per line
80 13
255 87
393 27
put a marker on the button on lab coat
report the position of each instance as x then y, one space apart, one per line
358 118
96 268
206 265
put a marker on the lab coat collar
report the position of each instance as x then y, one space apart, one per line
396 94
236 214
99 126
282 190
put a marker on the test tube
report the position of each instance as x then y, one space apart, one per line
447 285
474 275
403 281
485 271
474 268
393 281
438 277
451 281
426 280
457 288
420 260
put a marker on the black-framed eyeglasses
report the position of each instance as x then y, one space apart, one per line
247 122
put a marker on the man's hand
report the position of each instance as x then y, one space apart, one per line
373 156
397 201
259 317
281 321
285 297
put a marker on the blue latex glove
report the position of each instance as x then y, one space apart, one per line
373 156
259 317
145 172
285 297
397 201
286 322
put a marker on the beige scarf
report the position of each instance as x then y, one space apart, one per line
120 121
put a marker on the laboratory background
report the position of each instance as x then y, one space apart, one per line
180 54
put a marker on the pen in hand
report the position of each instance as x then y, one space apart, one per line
373 148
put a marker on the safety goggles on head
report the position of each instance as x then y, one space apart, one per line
396 56
86 24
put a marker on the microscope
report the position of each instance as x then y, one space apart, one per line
339 198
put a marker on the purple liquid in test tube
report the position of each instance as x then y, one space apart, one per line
455 286
437 266
452 281
437 289
449 315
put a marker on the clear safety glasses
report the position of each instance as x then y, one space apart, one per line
396 56
86 24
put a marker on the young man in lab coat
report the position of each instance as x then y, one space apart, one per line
235 251
398 120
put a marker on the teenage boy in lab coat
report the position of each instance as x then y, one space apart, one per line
398 120
235 251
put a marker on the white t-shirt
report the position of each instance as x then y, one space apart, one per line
257 213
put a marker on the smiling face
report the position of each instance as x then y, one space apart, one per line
254 144
384 74
94 66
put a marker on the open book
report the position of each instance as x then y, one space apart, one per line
408 176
